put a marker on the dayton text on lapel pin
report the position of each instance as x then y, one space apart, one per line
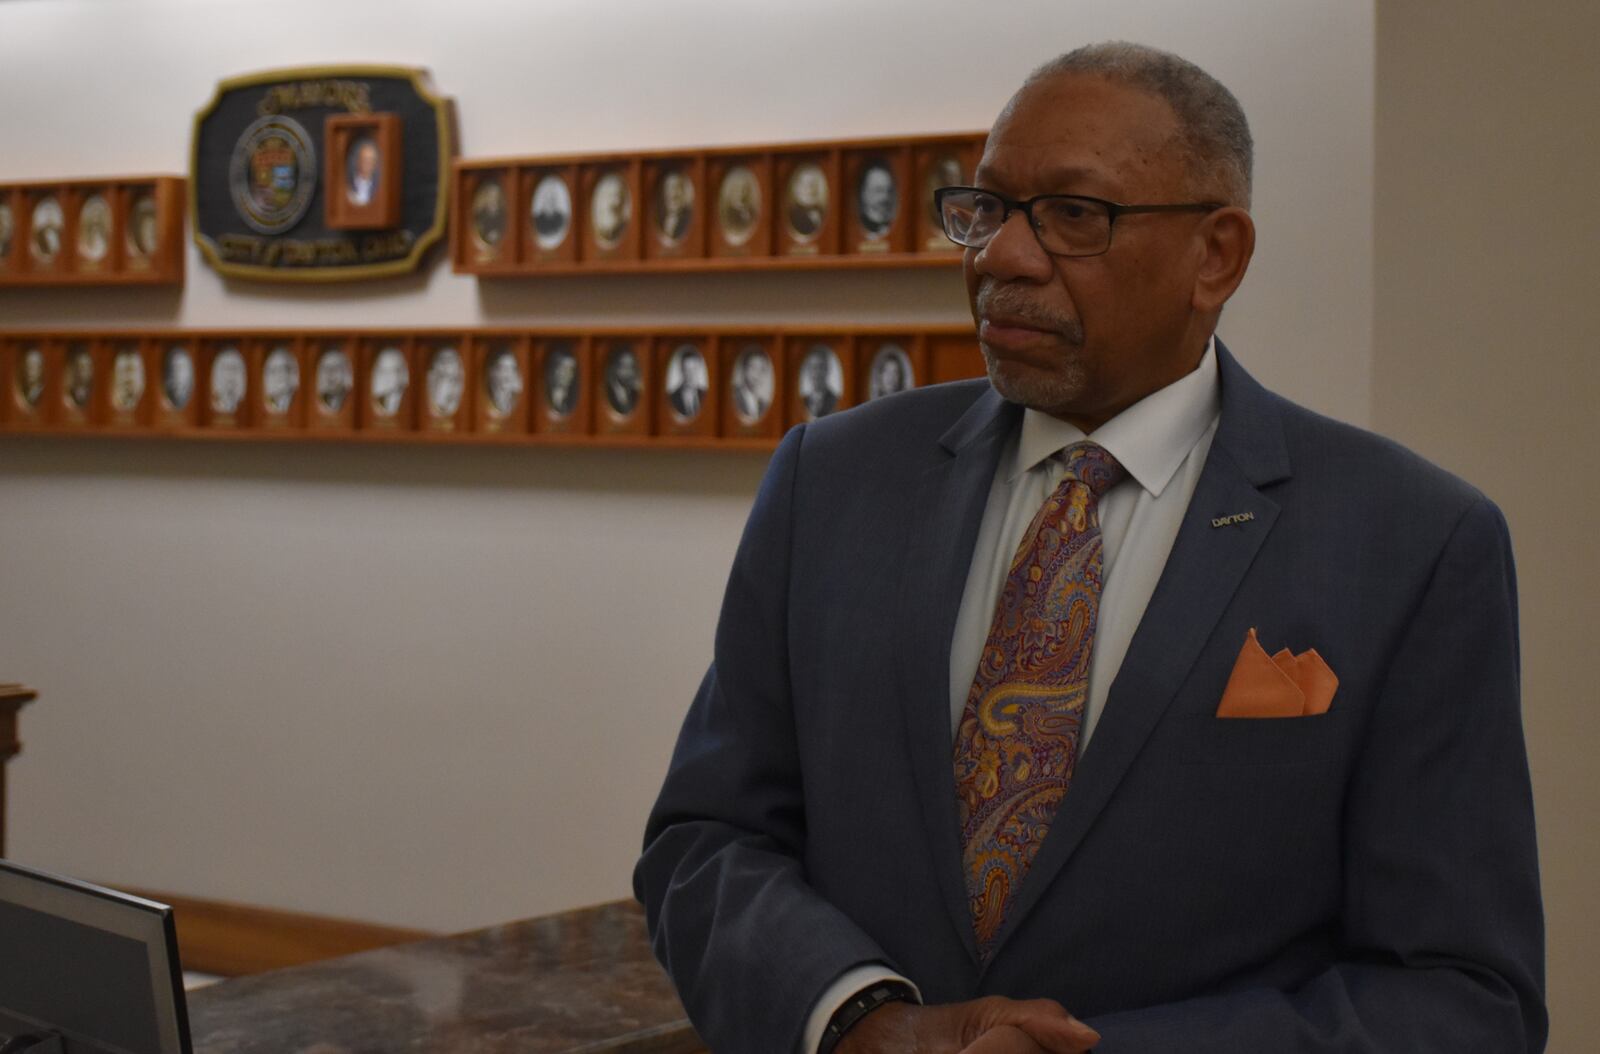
1229 521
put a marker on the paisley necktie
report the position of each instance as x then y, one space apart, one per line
1018 737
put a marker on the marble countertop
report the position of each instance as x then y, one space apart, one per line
581 982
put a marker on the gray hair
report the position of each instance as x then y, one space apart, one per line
1215 134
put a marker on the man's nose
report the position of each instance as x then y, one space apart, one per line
1014 252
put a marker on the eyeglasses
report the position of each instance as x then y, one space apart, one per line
1065 224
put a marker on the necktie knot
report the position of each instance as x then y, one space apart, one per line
1092 465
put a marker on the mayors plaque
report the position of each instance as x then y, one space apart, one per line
321 174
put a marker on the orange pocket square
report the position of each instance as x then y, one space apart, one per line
1283 685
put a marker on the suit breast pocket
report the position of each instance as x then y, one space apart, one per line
1256 741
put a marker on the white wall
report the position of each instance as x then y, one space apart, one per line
438 687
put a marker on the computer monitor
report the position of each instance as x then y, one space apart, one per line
98 967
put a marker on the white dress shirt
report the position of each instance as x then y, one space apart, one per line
1162 441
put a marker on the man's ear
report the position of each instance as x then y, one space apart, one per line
1228 238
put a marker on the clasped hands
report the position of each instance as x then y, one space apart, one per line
992 1025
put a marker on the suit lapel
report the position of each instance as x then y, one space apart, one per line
948 502
1202 574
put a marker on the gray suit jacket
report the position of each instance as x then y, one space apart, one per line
1365 880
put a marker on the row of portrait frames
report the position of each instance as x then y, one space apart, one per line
855 201
624 384
92 232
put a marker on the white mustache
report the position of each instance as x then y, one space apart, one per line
1011 303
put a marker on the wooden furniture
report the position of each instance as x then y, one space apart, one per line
118 230
12 699
580 981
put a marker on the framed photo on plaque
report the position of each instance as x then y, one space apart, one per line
446 394
363 171
172 376
28 382
807 188
279 388
877 219
8 231
623 392
47 232
560 372
128 391
82 375
611 210
739 205
488 237
94 241
686 393
387 392
938 165
503 384
549 197
330 363
225 395
675 195
752 404
820 373
889 365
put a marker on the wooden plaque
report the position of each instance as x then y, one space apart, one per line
686 388
487 234
43 228
806 203
387 385
611 210
549 210
944 164
888 365
362 171
330 383
278 389
623 385
96 247
128 393
562 375
173 372
444 390
819 376
879 200
10 230
752 387
225 394
30 371
83 375
502 388
739 205
676 203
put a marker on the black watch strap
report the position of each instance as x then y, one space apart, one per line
859 1006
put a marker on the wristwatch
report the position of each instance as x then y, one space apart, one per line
859 1006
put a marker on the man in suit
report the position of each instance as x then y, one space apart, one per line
966 772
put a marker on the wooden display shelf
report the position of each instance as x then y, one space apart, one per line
108 231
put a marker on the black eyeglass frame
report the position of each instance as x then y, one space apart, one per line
1010 205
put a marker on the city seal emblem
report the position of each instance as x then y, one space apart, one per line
273 174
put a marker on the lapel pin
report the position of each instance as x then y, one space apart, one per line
1236 518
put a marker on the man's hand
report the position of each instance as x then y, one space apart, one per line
991 1025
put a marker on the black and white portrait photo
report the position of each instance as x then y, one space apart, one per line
336 376
127 379
502 382
687 382
30 378
280 379
751 384
738 205
877 200
227 381
79 383
560 381
446 382
942 171
390 379
610 209
806 202
623 380
141 235
551 211
362 163
674 206
889 372
45 245
489 215
94 229
821 381
8 229
177 376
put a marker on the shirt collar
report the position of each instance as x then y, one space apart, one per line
1150 438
